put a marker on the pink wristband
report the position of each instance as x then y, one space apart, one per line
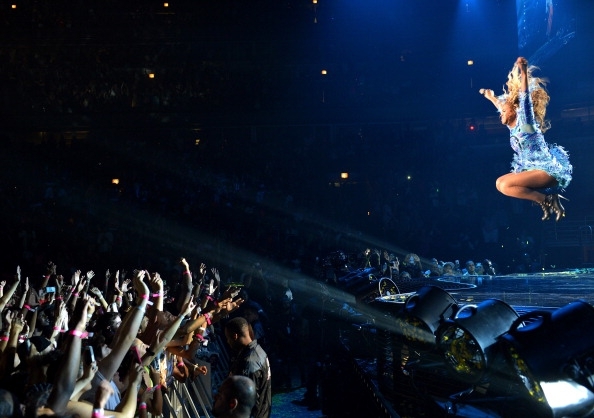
145 297
79 334
142 405
187 272
27 307
3 338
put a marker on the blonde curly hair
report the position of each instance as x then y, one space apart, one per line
539 95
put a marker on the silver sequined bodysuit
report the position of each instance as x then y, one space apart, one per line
532 151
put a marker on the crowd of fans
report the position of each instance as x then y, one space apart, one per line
112 344
91 345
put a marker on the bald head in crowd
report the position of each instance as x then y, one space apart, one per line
236 398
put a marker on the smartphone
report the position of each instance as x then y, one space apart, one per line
235 285
89 354
50 290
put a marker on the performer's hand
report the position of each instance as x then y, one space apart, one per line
488 93
522 63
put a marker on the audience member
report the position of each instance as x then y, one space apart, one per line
480 270
470 269
412 264
448 269
235 398
252 361
489 267
288 344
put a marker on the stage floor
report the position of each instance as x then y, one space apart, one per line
547 289
534 290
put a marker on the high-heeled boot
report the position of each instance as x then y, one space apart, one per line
546 207
556 206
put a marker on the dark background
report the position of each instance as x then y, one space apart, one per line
233 151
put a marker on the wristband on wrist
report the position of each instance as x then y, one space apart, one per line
157 295
187 272
4 338
142 405
27 307
75 294
79 334
98 412
208 318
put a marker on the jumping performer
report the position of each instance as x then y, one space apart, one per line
540 171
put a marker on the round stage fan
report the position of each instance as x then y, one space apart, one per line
462 353
423 312
467 341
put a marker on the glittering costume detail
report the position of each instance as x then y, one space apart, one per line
531 150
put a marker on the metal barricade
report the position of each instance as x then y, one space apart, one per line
194 398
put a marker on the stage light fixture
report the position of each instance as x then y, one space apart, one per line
552 353
565 332
468 341
422 314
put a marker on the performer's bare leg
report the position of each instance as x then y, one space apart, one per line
524 185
